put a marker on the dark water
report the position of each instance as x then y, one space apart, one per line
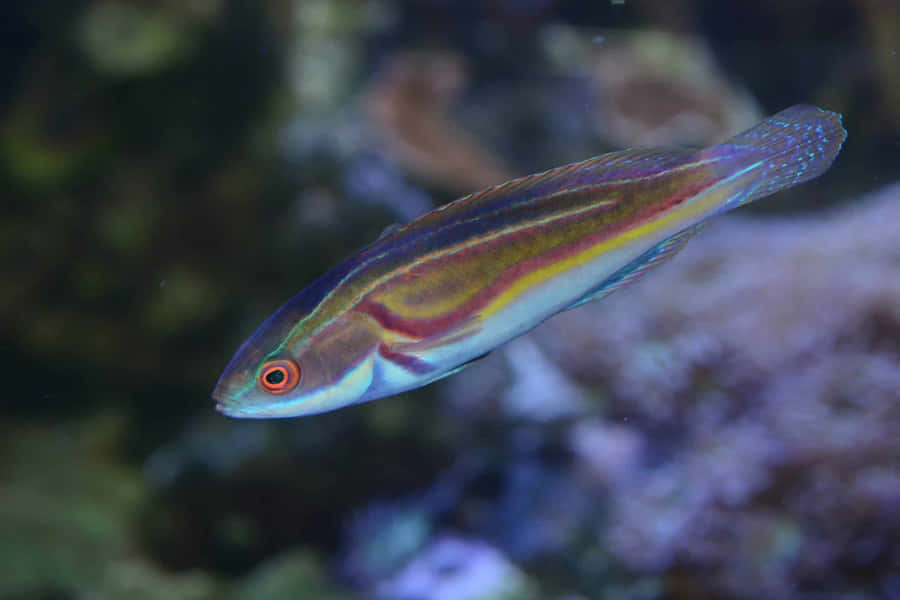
172 172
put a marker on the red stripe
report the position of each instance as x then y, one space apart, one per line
428 327
410 363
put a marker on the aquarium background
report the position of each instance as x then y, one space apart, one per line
172 171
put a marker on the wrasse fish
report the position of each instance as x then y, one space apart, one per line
426 299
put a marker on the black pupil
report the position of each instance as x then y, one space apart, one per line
275 376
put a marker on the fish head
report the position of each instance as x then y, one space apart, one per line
303 372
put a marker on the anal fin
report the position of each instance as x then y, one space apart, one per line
641 265
456 370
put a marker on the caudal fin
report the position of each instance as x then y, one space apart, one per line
793 146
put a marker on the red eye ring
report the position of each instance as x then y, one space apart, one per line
279 376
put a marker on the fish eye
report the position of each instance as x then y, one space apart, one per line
279 376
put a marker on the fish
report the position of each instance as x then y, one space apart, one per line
431 297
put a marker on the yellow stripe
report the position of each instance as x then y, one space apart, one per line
505 188
541 275
449 251
691 210
315 313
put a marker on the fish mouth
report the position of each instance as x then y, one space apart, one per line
227 395
224 409
224 402
237 412
230 407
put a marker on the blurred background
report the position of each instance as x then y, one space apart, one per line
172 171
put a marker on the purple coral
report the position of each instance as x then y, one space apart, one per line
761 369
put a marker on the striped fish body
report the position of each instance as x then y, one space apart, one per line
427 298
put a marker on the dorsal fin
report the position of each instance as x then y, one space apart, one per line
639 266
388 230
553 185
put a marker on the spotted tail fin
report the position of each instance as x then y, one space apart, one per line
793 146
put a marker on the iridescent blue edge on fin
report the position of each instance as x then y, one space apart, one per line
641 265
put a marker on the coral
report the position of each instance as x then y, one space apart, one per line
409 104
288 576
760 372
453 568
173 171
64 514
654 88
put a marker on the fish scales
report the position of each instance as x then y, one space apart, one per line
429 297
490 233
